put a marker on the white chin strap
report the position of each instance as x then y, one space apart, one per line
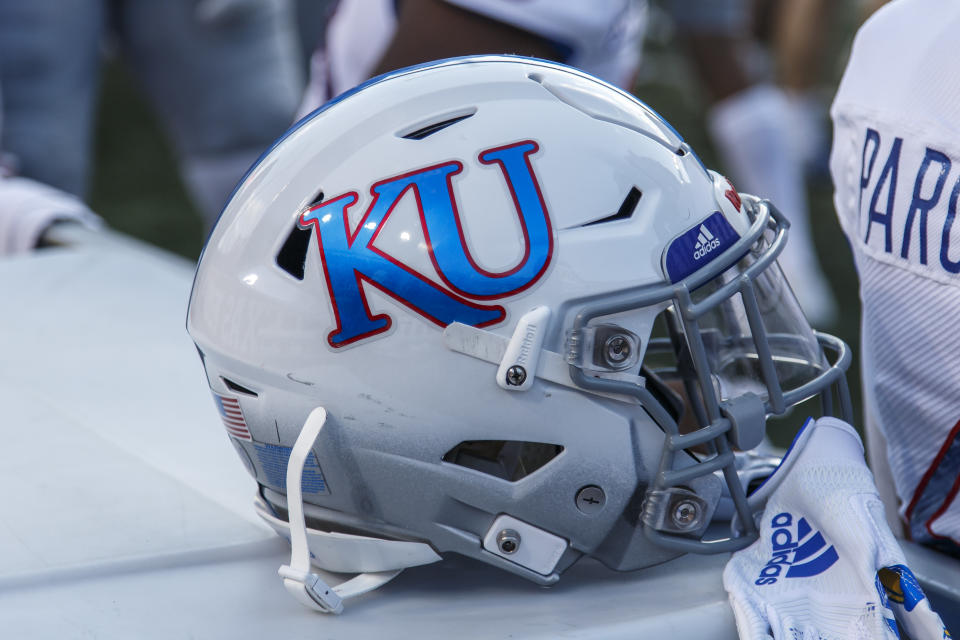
307 587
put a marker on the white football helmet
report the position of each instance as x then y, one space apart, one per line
534 326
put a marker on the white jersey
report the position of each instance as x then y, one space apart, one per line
602 37
896 168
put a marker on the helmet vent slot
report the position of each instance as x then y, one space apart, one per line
509 460
626 209
292 256
434 127
238 388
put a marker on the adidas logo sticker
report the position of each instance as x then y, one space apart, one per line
706 242
801 550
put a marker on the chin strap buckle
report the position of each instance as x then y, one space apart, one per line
311 591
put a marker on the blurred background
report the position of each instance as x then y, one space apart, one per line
135 184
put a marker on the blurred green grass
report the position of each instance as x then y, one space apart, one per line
136 187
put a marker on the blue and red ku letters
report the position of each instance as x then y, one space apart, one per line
350 257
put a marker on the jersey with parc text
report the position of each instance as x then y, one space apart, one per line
896 170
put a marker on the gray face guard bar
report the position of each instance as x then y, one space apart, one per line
671 510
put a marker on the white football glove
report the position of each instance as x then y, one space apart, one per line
813 573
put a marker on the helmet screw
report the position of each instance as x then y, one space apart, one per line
590 499
508 541
617 349
516 375
686 514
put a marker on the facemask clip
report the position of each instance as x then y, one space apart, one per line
675 510
603 348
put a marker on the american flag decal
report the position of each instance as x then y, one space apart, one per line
232 416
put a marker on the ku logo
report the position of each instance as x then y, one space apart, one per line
465 290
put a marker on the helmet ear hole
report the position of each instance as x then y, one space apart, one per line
508 460
292 256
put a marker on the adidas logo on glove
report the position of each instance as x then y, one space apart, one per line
800 549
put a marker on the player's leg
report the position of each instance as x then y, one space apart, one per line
224 78
749 122
50 55
799 36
